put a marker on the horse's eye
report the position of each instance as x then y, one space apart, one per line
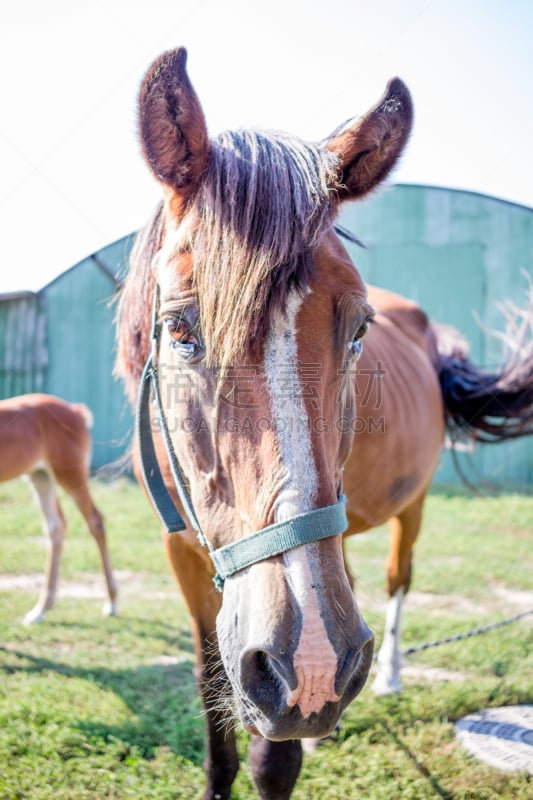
356 345
184 339
177 327
362 330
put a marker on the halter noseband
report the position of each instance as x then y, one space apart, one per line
311 526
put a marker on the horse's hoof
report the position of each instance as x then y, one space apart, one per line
383 686
110 609
311 745
35 615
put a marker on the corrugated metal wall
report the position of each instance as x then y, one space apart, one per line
23 347
81 346
459 255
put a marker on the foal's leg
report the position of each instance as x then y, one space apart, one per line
54 526
404 529
75 483
275 767
221 762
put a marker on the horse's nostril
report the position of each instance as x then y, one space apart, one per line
264 678
353 674
262 663
256 664
356 662
346 670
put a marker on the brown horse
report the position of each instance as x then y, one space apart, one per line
48 440
259 316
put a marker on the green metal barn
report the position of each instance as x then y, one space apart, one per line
61 340
459 254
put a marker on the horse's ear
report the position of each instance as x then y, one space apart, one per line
172 127
370 147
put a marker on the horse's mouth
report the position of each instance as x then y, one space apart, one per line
292 725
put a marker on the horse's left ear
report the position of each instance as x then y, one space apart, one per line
370 147
172 127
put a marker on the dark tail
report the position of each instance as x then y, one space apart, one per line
488 406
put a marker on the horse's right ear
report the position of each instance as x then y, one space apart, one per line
172 127
369 148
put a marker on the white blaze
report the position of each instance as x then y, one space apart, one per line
289 414
315 661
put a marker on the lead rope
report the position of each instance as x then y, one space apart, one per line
460 636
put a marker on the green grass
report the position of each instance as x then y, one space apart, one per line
106 708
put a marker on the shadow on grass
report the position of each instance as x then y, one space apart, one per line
161 696
139 629
397 720
417 762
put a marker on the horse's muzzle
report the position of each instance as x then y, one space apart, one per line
268 685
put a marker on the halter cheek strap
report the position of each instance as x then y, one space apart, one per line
311 526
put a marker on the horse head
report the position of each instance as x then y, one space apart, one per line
261 316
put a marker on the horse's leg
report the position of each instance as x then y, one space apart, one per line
404 529
275 767
74 481
221 762
45 493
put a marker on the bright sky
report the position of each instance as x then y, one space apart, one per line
71 177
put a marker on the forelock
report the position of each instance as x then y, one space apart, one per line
262 207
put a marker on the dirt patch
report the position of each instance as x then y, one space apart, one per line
523 600
432 674
90 586
442 602
21 583
168 661
504 602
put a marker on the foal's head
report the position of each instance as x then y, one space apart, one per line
263 316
